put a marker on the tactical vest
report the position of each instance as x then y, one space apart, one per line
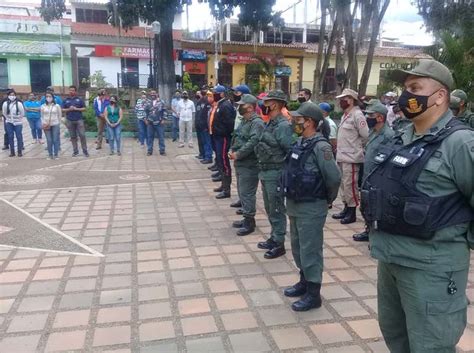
390 199
300 184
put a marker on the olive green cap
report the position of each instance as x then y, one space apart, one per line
372 101
377 108
460 94
247 99
277 95
454 102
308 110
426 68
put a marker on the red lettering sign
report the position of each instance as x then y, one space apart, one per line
195 68
246 58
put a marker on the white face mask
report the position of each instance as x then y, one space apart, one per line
49 99
12 98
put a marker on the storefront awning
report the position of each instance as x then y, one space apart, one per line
29 48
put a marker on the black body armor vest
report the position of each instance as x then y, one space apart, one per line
299 184
390 200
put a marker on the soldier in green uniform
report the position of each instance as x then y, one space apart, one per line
310 181
379 133
245 161
419 202
273 145
460 109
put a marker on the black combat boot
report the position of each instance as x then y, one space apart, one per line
217 179
236 204
267 244
238 224
311 300
215 174
350 216
219 189
341 214
213 168
362 236
276 251
297 289
239 212
226 182
248 227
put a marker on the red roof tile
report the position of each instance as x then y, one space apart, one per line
99 29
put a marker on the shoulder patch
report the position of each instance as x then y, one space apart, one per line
327 153
362 123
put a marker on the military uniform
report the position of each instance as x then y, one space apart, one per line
310 180
466 116
351 138
243 144
273 145
419 202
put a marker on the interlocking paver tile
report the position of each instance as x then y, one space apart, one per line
30 304
22 323
107 336
368 328
223 286
349 308
277 316
290 338
20 343
115 296
114 314
187 289
152 331
71 318
154 310
5 305
64 341
153 293
256 283
205 345
230 302
76 300
330 333
198 325
193 306
264 298
239 321
249 342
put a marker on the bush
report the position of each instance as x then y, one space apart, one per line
293 105
89 119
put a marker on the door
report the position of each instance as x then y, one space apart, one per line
83 72
40 75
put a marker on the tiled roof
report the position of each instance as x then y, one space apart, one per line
269 45
99 29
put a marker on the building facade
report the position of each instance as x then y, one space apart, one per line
33 54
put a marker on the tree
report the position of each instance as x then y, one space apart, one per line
319 59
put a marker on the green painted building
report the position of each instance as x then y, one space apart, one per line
34 55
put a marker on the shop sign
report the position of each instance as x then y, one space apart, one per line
283 71
195 68
395 66
246 58
189 54
36 48
122 52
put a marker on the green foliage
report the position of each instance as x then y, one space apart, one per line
97 80
52 10
89 118
457 53
188 84
293 105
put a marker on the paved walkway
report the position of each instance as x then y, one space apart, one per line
174 277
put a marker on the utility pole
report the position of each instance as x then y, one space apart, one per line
305 16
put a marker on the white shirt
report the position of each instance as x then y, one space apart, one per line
333 126
185 109
15 116
391 116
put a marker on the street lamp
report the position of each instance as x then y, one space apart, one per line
156 29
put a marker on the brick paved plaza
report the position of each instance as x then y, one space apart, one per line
173 276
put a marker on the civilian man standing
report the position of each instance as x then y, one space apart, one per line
186 111
74 106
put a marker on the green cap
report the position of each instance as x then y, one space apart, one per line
309 110
377 108
247 99
460 94
277 95
426 68
454 102
372 101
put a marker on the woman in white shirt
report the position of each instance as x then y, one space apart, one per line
14 112
51 117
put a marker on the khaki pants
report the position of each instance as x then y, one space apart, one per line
186 130
349 189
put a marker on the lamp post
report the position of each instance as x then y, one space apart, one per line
155 29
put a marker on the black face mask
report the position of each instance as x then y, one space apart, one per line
185 97
371 122
242 110
455 112
236 98
301 99
217 97
413 105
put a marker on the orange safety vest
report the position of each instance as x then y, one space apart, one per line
211 117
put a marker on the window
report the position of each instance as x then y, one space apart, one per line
130 77
40 75
92 16
83 72
3 74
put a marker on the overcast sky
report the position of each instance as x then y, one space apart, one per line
401 20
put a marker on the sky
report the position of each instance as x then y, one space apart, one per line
401 19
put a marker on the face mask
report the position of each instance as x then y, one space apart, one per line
217 97
455 112
153 97
298 128
371 122
236 98
343 104
265 110
185 97
301 99
12 98
49 99
242 110
413 105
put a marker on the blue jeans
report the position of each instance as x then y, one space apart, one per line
36 128
52 140
12 131
142 131
175 128
115 136
159 130
205 140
